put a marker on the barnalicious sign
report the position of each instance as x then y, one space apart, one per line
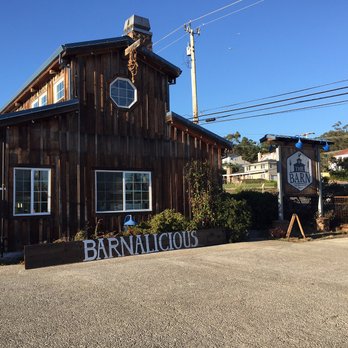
104 248
299 170
50 254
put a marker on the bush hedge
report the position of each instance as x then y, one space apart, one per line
234 216
263 207
167 221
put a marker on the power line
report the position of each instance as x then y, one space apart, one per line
215 11
272 102
240 145
171 33
196 19
172 43
231 13
284 111
275 96
204 24
280 106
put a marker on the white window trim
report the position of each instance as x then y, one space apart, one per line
35 101
135 92
124 210
55 90
32 170
40 98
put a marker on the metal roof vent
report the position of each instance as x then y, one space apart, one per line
139 28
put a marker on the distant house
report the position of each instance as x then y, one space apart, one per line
91 137
336 158
232 164
233 160
339 156
265 168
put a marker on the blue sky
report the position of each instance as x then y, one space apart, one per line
270 48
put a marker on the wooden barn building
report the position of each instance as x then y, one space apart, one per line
90 136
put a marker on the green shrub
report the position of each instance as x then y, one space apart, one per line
134 230
332 188
263 206
81 235
167 221
234 216
203 186
257 181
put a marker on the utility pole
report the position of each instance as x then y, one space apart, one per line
190 51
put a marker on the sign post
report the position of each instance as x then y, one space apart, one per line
299 174
280 186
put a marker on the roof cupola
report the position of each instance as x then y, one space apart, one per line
138 27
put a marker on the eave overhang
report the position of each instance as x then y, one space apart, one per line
188 126
41 112
277 139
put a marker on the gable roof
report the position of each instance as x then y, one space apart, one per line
75 48
187 125
293 139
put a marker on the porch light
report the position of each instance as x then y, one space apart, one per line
299 144
326 147
128 222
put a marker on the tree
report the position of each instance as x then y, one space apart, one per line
234 138
339 136
248 149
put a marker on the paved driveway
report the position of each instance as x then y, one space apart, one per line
260 294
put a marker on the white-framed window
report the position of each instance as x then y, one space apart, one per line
32 191
58 90
122 191
43 99
123 92
35 103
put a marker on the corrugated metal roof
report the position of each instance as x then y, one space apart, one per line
39 112
111 40
172 117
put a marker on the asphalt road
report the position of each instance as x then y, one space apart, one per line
257 294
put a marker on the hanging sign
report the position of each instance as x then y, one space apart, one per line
299 170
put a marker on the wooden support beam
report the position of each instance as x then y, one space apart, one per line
133 46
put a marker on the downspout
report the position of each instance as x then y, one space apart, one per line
2 188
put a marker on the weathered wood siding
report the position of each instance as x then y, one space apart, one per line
101 136
48 87
50 144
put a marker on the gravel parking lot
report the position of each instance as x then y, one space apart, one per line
257 294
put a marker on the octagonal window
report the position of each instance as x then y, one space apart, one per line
123 93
